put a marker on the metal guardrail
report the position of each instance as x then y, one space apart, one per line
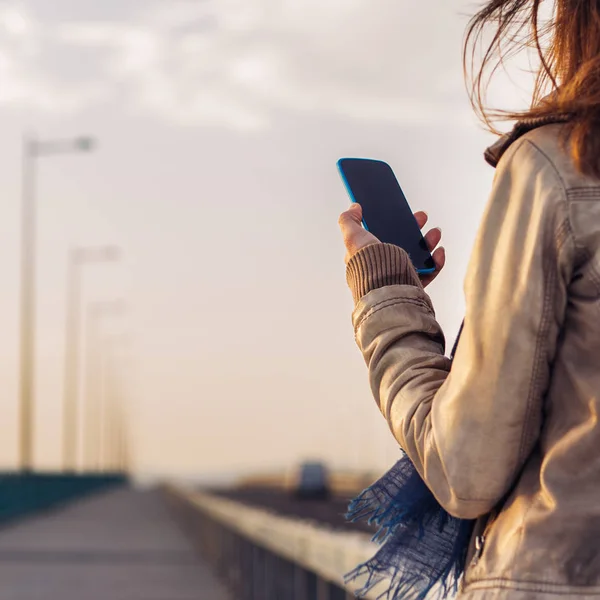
263 556
25 494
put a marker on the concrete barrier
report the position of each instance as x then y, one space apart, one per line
230 532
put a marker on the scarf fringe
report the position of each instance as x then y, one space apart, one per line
422 547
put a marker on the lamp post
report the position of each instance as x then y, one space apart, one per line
113 417
32 150
94 389
78 258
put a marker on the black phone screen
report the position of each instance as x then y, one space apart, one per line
386 212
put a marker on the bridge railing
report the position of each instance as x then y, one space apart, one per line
263 556
26 494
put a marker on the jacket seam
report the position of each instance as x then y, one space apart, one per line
586 255
535 376
549 270
567 195
530 585
550 267
390 302
585 191
582 253
552 165
545 317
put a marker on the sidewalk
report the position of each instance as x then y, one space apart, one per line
122 545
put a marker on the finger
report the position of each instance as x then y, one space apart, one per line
433 238
422 217
439 258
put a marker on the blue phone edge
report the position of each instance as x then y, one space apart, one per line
353 199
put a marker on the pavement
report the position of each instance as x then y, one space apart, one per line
121 545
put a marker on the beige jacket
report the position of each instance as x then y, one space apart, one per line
514 428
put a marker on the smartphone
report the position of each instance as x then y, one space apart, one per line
386 213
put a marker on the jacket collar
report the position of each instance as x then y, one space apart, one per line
495 152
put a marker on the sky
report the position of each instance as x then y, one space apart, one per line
218 126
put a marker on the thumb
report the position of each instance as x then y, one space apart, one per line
351 217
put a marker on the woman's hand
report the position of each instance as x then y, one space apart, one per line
356 237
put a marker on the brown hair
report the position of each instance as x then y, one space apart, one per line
568 79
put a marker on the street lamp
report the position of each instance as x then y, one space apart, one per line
32 150
113 411
78 258
94 392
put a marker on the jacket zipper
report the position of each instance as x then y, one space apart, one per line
480 539
479 544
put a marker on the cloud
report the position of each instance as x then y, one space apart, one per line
234 62
14 22
22 42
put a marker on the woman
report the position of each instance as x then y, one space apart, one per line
511 435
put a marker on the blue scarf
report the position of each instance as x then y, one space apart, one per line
422 546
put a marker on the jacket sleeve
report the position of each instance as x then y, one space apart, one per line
469 430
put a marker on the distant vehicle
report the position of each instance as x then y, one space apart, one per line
310 480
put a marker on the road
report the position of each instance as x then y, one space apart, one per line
122 545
